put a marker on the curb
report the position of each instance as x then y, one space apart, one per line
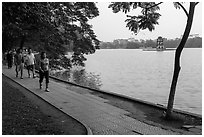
158 106
88 130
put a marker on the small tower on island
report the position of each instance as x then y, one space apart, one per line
160 44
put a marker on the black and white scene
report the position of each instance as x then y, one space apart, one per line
101 68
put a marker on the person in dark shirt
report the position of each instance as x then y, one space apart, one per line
10 59
44 70
19 62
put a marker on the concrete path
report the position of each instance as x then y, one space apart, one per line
101 117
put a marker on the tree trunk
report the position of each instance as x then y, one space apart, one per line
22 42
177 60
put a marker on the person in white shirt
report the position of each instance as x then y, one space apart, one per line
30 61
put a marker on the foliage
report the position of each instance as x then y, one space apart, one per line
58 64
147 20
50 26
195 42
133 45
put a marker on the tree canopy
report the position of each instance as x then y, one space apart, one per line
147 20
55 27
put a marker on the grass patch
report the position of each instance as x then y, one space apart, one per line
21 117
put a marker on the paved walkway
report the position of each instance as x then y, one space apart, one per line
101 117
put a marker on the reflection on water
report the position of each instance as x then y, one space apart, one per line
80 77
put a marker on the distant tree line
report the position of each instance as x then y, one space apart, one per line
195 42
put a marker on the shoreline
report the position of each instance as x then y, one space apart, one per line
141 81
134 111
146 112
159 106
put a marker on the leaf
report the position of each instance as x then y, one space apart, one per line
176 5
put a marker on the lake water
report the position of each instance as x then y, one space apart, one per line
144 75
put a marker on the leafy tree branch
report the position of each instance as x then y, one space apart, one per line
51 26
183 8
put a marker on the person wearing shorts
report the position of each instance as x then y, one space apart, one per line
30 62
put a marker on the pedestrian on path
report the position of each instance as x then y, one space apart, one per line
10 59
30 62
44 70
24 52
19 62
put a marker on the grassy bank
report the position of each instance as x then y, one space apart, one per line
21 117
26 114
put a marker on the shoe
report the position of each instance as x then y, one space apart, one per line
40 86
21 77
47 90
16 75
34 76
29 76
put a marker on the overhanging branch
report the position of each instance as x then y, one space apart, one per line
154 5
183 8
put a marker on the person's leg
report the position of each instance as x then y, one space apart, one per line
12 62
41 78
47 80
28 68
33 68
9 63
17 70
21 68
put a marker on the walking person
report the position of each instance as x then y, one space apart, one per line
19 62
44 70
24 52
30 62
13 54
10 59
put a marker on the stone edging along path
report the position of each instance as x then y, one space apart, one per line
88 130
158 106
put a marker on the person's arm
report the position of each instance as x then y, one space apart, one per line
34 59
22 59
40 66
26 59
48 64
15 60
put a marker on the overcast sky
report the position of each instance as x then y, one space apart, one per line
109 26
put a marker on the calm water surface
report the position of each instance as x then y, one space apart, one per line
145 75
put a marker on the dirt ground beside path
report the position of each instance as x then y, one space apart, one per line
154 116
25 114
